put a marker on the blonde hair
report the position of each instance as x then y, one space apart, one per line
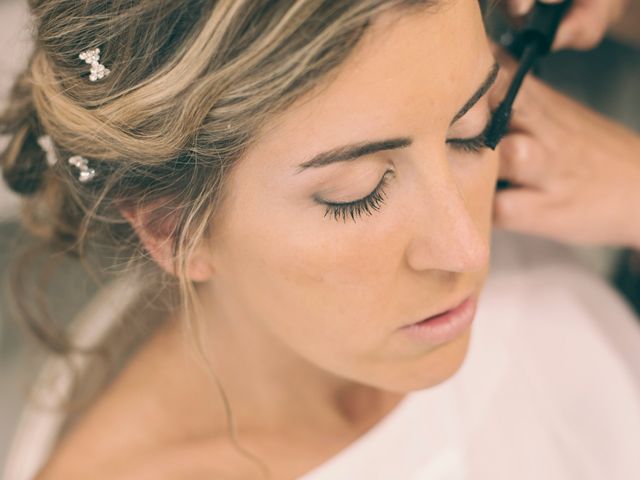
191 83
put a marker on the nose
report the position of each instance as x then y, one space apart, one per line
446 236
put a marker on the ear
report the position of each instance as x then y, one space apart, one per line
158 241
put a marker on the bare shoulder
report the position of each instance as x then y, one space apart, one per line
179 462
106 455
138 429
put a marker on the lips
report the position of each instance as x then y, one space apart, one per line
454 305
444 327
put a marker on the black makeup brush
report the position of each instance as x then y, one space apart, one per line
531 42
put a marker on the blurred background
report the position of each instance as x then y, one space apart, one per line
606 78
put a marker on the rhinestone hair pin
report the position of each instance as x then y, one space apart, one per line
81 163
77 161
98 70
47 145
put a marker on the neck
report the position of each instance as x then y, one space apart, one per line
269 387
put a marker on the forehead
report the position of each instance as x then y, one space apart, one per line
408 76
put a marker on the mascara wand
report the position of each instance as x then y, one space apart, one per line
534 40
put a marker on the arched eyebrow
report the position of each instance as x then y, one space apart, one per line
357 150
479 93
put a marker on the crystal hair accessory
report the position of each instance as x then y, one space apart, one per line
92 57
47 145
77 161
81 163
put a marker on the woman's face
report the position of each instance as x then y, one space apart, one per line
332 289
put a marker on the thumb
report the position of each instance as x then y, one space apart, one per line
518 209
581 29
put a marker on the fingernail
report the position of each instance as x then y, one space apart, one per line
520 7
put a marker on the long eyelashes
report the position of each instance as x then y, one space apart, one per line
473 145
358 207
375 199
478 143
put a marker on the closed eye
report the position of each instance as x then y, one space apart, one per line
356 208
473 144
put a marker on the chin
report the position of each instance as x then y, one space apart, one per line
434 367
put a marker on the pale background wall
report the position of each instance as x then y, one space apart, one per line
607 78
13 45
14 42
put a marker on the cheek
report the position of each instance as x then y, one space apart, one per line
321 286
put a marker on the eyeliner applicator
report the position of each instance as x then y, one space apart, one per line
535 38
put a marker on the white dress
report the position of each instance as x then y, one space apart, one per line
549 390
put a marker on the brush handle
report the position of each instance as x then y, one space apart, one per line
542 24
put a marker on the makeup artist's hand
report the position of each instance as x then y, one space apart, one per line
584 25
577 173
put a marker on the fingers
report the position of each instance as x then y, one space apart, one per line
522 161
520 7
583 27
518 209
